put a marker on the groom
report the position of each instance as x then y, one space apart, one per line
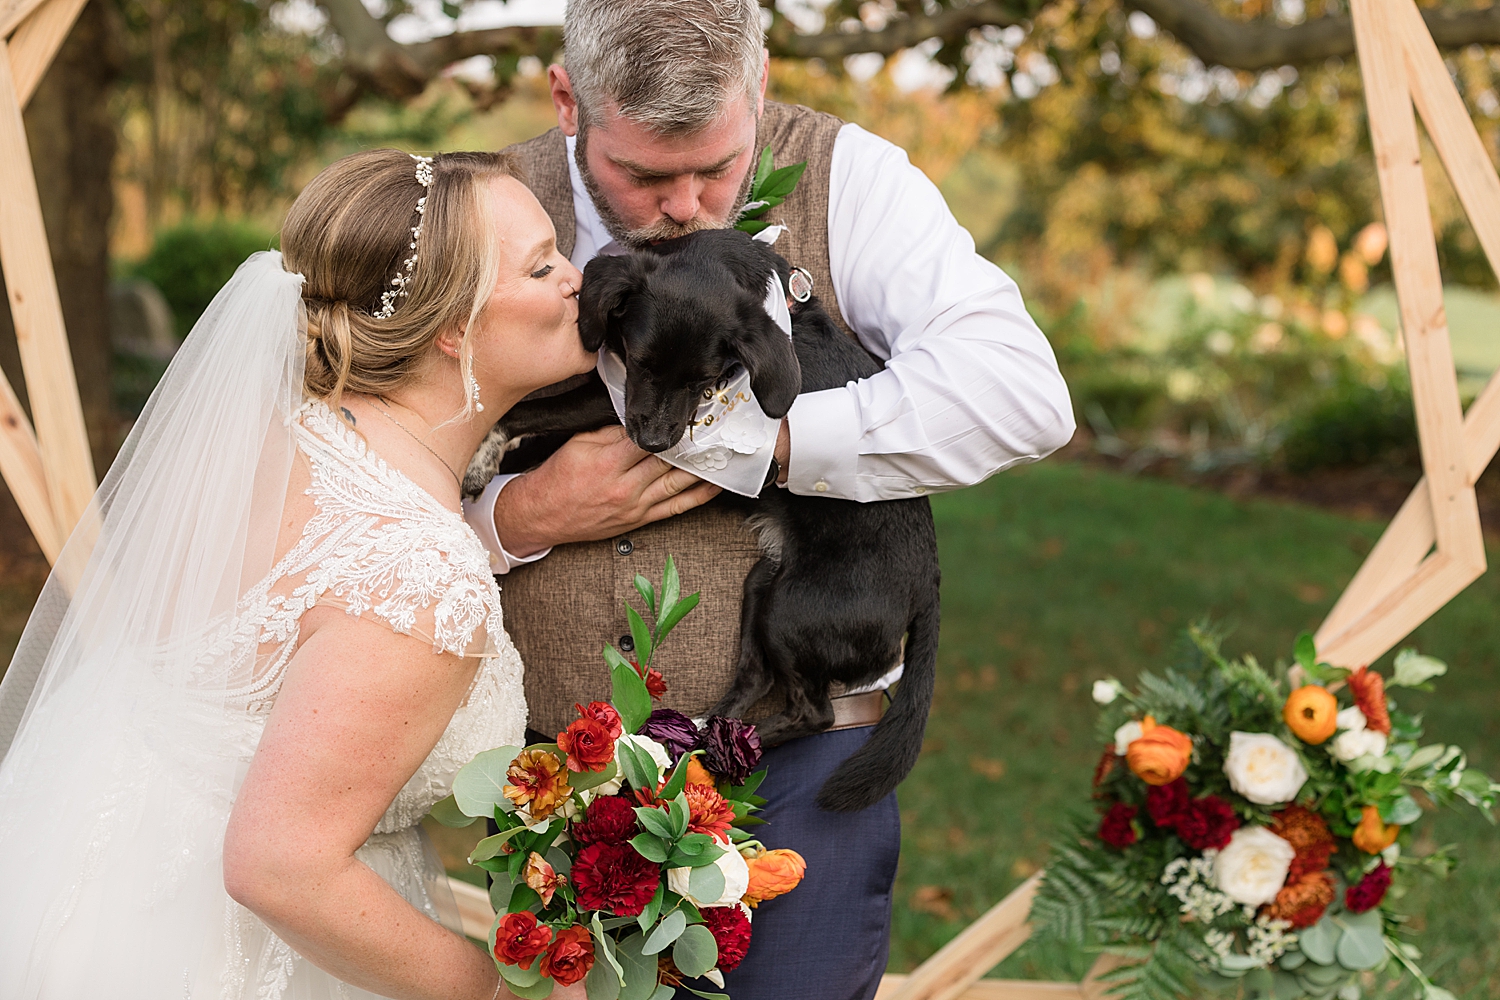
662 117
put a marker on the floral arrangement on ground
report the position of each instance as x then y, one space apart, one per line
1252 829
622 857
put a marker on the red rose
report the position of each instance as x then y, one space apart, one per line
1369 891
614 877
519 939
588 745
1207 822
611 820
1167 803
1116 830
731 930
571 956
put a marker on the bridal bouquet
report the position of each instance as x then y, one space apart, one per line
622 858
1253 828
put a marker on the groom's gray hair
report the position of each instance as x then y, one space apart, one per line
672 66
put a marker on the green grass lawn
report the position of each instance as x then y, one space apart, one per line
1057 575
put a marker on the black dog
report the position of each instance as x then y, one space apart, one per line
840 583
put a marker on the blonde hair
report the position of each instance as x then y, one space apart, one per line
349 233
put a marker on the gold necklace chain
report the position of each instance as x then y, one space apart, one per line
386 407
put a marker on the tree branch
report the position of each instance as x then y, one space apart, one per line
951 24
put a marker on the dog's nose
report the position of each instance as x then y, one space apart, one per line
652 441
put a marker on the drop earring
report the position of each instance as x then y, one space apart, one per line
473 385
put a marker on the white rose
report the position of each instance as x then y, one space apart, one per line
1355 743
1126 735
1351 719
1252 869
1263 769
1106 691
736 879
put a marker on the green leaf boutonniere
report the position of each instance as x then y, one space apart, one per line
769 189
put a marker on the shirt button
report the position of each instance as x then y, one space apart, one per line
820 486
624 546
627 644
919 490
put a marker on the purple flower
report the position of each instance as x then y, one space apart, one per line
672 730
731 748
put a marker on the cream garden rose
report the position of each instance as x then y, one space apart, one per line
1263 769
1252 869
1126 735
736 880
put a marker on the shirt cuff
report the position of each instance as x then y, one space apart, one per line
825 444
480 514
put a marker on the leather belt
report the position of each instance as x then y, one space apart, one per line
851 711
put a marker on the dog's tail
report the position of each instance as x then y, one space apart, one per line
875 770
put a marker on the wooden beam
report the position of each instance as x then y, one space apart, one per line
13 12
983 944
21 465
37 40
994 989
37 314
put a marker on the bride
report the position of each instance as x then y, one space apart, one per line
273 640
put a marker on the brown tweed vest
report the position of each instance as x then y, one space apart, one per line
563 609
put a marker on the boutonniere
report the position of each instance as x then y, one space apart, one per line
769 189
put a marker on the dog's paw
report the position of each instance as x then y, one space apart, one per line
485 464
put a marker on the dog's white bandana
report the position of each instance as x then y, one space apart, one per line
731 440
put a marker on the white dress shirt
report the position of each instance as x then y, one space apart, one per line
970 385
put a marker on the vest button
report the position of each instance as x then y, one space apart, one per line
627 644
624 546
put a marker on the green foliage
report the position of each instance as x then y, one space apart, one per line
191 262
1354 424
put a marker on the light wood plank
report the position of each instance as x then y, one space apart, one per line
1418 598
21 465
13 12
982 945
994 989
473 908
1402 547
37 312
37 40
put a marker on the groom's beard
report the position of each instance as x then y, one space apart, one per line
664 228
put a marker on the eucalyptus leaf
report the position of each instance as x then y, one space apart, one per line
602 982
540 991
640 634
640 970
669 930
582 781
1319 941
695 951
479 786
446 812
650 847
491 847
501 886
1292 960
1412 668
559 860
1432 992
1424 757
1361 947
606 946
1402 811
665 992
705 996
630 697
706 884
515 975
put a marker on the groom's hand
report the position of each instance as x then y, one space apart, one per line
598 485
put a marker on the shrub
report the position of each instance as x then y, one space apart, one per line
191 261
1354 424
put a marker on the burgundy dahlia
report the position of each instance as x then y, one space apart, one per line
610 820
731 749
1116 829
1207 823
731 930
615 878
672 730
1167 803
1367 893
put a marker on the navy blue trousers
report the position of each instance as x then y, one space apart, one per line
828 938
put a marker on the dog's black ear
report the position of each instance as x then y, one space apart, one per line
608 282
768 355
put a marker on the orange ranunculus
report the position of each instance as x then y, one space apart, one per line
1312 713
1374 835
697 774
773 873
1160 755
1369 694
570 957
538 779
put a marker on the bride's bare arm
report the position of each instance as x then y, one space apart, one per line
359 710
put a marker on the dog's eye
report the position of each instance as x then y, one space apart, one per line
543 271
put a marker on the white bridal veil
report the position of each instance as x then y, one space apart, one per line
113 734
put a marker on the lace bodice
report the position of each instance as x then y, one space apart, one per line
380 547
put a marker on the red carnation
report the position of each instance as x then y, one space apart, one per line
589 741
1166 804
519 939
731 930
1369 891
611 820
1117 830
615 878
571 956
1207 822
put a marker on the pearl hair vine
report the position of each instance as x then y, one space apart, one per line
398 289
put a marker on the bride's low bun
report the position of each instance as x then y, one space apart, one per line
349 234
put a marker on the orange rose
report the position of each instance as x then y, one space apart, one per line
1160 755
773 873
1372 835
1312 713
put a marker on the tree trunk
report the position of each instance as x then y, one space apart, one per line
72 140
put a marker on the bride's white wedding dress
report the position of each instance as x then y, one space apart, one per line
114 888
